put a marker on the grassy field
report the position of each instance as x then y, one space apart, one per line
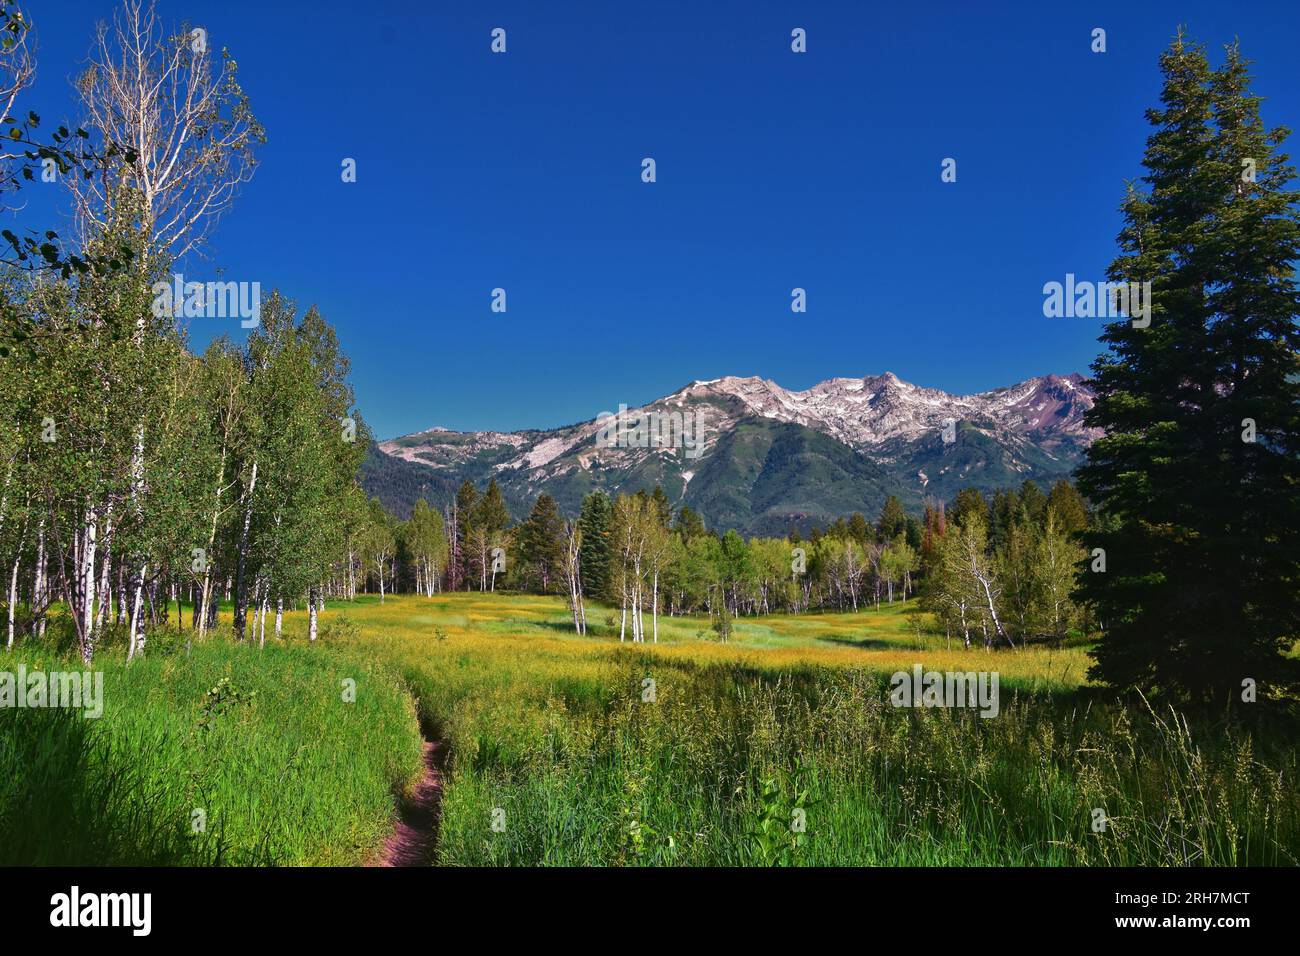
226 756
568 750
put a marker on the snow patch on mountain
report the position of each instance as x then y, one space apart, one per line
873 414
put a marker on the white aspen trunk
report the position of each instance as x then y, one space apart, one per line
4 499
13 596
137 625
136 638
640 612
212 532
631 610
39 586
241 597
311 615
654 608
279 617
573 605
997 624
104 589
88 586
205 595
638 623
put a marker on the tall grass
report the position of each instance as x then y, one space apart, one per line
560 756
554 732
229 755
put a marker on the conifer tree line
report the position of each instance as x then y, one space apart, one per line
998 572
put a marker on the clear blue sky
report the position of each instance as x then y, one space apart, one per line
775 170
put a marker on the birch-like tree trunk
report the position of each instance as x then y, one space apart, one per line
104 590
654 609
241 558
312 597
13 595
87 586
40 585
137 606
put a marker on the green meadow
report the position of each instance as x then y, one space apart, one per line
780 747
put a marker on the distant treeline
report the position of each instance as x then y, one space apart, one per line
999 571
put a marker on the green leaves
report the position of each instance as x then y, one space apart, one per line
780 827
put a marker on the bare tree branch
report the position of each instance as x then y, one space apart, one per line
184 116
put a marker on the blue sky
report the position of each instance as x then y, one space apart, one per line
775 170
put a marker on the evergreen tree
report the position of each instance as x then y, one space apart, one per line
594 524
491 519
689 524
858 529
1068 505
893 520
1033 503
466 512
663 508
492 510
1005 513
541 546
969 503
1198 475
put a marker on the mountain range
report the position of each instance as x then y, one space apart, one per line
769 458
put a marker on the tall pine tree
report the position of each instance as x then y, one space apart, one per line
541 546
1198 472
594 522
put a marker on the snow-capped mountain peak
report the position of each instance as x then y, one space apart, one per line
787 454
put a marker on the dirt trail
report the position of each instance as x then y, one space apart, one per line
413 840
